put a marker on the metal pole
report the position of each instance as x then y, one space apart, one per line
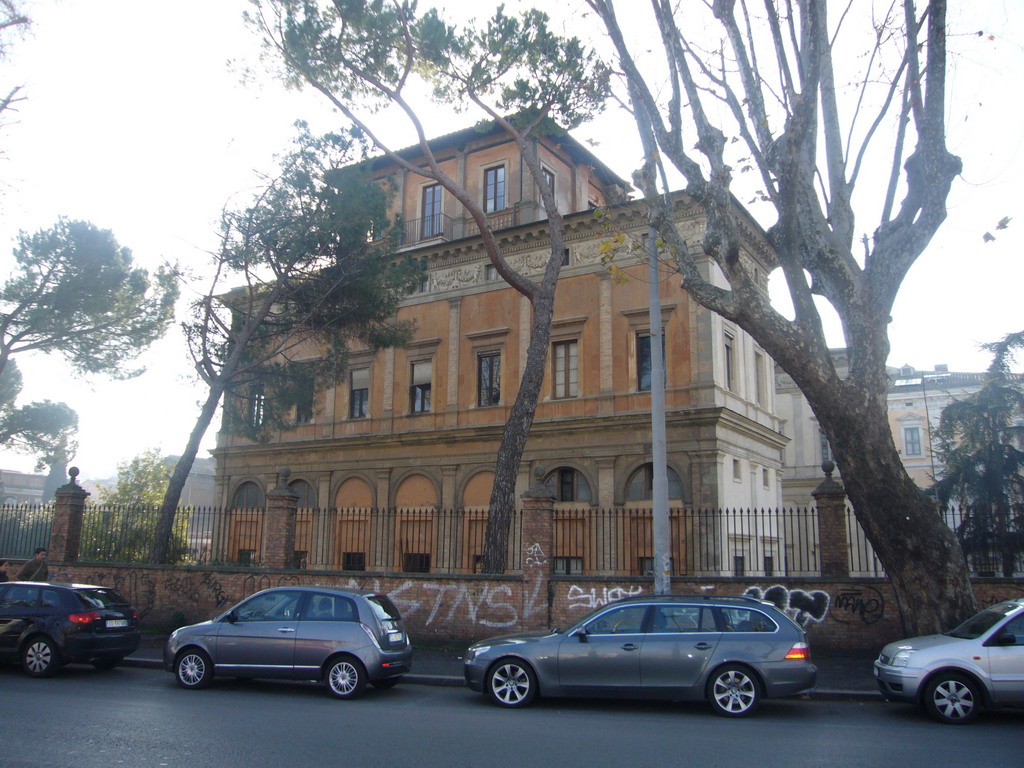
662 550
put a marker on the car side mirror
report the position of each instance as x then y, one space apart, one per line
581 634
231 616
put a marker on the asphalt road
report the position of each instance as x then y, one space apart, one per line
139 717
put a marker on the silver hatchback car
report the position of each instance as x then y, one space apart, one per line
343 638
730 651
955 674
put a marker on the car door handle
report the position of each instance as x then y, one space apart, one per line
702 646
630 647
286 629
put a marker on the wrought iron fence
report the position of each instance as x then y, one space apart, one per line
703 542
23 528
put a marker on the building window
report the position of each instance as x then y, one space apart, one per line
567 566
359 393
488 374
419 389
248 496
640 486
765 478
549 182
305 399
737 471
565 258
565 368
760 391
826 449
912 441
490 272
353 561
430 223
416 562
566 484
494 189
643 361
307 496
730 342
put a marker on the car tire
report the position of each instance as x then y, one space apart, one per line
511 683
106 664
39 657
952 698
734 691
387 682
345 677
193 669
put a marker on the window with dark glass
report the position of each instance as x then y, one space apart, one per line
359 393
565 370
307 496
430 223
567 484
419 389
640 486
488 374
248 496
494 189
643 361
305 399
728 350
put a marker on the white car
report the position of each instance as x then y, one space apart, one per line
955 674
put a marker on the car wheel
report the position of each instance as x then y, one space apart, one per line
345 678
107 663
953 699
387 682
734 692
511 683
40 658
193 669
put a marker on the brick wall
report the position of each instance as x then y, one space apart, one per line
837 613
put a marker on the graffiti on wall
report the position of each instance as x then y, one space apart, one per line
800 605
579 598
862 603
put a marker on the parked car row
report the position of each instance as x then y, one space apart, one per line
732 652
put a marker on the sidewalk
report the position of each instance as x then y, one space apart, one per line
840 675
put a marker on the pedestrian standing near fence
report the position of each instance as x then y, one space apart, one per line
35 569
3 570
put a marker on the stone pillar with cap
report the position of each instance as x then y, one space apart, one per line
833 542
538 544
279 524
66 533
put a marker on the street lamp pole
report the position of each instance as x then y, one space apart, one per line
659 460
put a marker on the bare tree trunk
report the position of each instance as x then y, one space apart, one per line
165 521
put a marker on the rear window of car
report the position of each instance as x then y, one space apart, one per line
99 597
20 597
383 608
746 620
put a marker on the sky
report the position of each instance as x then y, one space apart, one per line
138 118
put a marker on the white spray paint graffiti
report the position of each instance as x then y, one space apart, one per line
535 557
581 598
486 604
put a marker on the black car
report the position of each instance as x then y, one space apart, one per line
45 625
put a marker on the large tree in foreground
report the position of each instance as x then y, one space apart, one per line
366 54
774 85
309 281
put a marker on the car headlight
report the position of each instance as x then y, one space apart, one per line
902 658
475 651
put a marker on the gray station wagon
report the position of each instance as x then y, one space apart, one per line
343 638
730 651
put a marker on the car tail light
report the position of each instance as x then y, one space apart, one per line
133 614
799 651
84 617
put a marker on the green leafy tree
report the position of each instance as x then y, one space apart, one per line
43 429
980 440
363 55
315 281
140 481
729 88
75 292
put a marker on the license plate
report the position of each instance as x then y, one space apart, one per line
112 623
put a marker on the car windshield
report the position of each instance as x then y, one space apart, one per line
100 598
983 622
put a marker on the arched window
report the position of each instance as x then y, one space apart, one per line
307 496
248 496
567 484
641 484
